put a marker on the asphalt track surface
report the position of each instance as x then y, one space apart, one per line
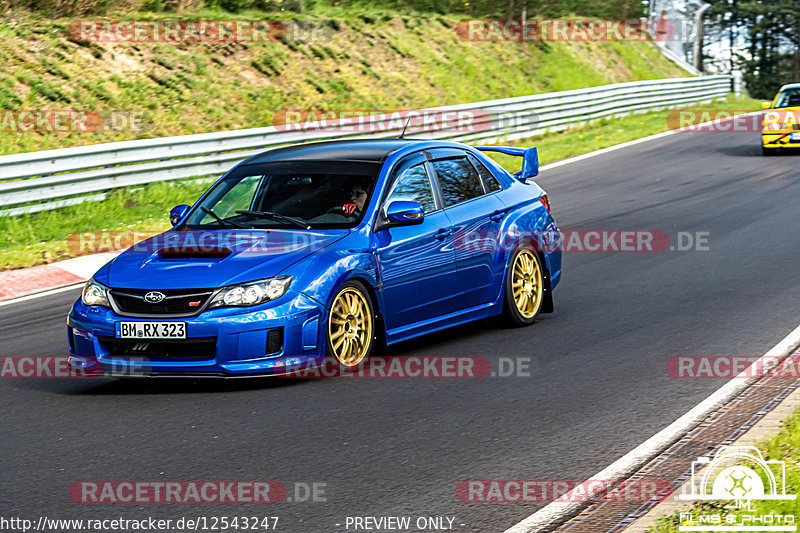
598 385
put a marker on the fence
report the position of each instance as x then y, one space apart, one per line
37 181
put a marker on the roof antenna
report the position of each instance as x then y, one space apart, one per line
406 126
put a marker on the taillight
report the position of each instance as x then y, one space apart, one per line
545 202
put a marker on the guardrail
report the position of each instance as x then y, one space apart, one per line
52 178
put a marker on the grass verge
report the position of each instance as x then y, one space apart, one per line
40 238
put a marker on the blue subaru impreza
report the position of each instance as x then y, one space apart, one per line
319 252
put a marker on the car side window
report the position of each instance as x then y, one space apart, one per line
489 181
458 180
414 184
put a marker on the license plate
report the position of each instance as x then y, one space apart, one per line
151 330
795 136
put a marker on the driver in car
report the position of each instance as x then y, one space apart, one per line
358 196
352 206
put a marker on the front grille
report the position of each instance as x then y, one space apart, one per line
200 348
178 302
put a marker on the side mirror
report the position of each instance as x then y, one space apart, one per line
766 105
405 212
177 212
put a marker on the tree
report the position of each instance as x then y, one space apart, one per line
772 32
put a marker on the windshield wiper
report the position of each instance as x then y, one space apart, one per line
275 216
222 220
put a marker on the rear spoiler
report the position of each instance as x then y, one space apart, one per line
530 159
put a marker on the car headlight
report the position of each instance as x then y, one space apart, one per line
95 293
251 293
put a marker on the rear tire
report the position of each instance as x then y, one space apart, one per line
524 288
768 151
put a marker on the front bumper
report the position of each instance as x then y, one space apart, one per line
271 338
781 139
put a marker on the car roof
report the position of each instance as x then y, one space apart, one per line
365 150
790 86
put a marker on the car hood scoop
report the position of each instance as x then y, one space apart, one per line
194 252
189 259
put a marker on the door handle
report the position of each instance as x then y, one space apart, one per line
442 234
497 215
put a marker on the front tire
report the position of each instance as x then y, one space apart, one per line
351 326
768 151
524 288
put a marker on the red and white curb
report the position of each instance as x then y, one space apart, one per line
21 284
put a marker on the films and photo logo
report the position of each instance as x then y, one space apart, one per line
738 476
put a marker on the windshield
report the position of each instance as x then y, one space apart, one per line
788 98
296 194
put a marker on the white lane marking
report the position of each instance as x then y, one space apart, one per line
42 294
553 513
587 155
634 142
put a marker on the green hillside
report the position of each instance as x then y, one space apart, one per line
364 62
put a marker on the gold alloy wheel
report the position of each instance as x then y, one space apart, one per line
350 327
527 283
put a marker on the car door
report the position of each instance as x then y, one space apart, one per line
417 262
476 214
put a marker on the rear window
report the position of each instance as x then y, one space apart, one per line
458 180
489 180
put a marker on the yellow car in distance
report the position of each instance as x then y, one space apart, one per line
781 126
